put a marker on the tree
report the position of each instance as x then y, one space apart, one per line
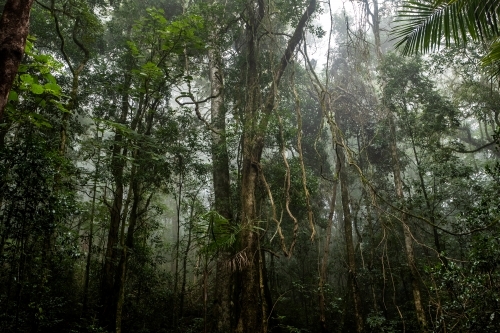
253 309
14 28
34 206
397 172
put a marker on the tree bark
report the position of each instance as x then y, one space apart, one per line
177 241
326 251
111 254
351 258
14 29
185 258
256 116
127 245
91 229
222 187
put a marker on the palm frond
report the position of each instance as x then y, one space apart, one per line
492 60
423 25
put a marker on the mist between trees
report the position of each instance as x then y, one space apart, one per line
249 166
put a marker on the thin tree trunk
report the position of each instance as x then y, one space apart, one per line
371 260
408 239
75 72
430 208
177 226
351 258
14 29
326 251
205 294
185 259
127 245
91 231
135 192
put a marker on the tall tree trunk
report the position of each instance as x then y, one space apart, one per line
111 255
249 301
250 316
326 251
135 191
185 258
127 246
14 29
408 238
398 183
351 258
91 230
177 242
222 187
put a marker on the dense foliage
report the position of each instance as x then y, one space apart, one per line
241 166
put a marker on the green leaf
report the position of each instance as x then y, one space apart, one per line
133 48
50 78
13 96
52 88
37 89
29 45
43 58
26 78
39 120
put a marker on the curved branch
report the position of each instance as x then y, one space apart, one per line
197 108
463 151
61 37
